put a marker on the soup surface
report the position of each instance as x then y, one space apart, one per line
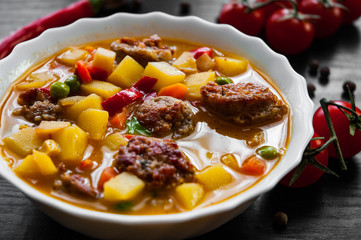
143 126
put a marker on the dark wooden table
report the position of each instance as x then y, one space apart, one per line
330 209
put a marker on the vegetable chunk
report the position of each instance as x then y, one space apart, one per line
72 142
186 63
93 121
91 101
124 186
104 59
48 127
45 164
230 66
114 141
101 88
71 56
23 142
214 177
165 73
189 194
195 81
28 167
126 73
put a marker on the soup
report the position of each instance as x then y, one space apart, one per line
144 126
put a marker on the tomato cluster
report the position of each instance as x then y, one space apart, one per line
290 26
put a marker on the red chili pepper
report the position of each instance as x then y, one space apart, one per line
123 98
200 51
62 17
97 73
83 72
46 90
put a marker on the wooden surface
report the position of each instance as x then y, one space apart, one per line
330 209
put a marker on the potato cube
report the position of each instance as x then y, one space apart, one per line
91 101
50 147
48 127
71 56
36 80
93 121
126 73
68 101
189 194
72 142
186 63
214 177
45 164
101 88
230 161
23 142
104 59
28 167
114 141
165 73
124 186
195 81
230 66
205 62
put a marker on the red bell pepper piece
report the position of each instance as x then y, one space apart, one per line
118 101
83 72
145 84
97 73
200 51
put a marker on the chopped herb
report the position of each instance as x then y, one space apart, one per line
134 127
124 206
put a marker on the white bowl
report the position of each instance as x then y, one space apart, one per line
180 225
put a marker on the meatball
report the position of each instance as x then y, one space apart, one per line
165 115
143 51
158 162
243 103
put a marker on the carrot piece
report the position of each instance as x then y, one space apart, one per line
86 164
177 90
253 166
119 120
83 72
89 49
106 175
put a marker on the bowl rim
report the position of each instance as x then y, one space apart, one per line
265 185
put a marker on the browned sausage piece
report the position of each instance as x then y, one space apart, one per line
243 103
158 162
164 115
144 51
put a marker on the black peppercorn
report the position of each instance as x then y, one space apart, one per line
280 220
311 89
351 85
185 8
313 67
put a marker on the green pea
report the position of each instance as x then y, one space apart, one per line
124 205
59 90
267 152
223 80
73 82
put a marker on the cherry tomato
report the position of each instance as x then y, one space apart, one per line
288 35
350 145
235 14
269 9
310 174
352 11
330 16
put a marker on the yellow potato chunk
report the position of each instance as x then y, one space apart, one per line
45 164
195 81
68 101
48 127
50 147
104 59
71 56
23 142
186 63
114 141
36 80
165 73
126 73
93 121
91 101
72 142
230 66
28 167
230 161
101 88
214 177
189 194
124 186
205 62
